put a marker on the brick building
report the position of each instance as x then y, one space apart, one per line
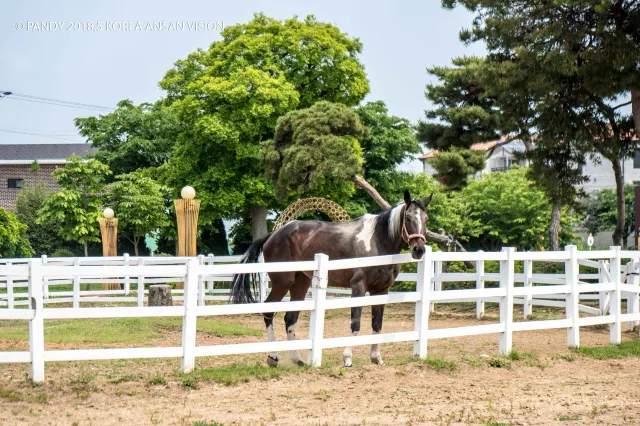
15 165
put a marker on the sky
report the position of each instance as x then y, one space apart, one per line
101 66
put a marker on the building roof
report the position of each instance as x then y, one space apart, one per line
44 153
480 146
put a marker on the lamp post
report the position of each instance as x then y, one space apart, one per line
109 230
187 210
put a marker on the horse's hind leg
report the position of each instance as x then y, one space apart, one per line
298 292
280 284
377 313
357 290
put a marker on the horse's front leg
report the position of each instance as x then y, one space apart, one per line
377 313
357 290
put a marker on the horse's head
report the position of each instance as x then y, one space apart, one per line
414 225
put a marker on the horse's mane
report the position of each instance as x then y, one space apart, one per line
390 220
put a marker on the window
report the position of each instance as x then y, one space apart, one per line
636 160
16 183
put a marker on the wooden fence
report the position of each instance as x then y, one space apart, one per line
612 286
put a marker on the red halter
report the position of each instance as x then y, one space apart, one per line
405 234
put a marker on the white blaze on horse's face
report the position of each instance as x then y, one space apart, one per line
366 234
416 221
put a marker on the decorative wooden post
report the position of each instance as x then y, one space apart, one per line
109 230
187 210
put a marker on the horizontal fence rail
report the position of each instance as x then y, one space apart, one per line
30 284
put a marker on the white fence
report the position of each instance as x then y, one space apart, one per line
612 286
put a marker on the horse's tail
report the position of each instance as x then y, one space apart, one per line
245 285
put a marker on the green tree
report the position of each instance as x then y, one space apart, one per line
509 209
74 210
30 200
386 143
601 213
316 152
454 166
583 55
230 96
132 137
13 237
139 203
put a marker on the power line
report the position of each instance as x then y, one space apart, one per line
42 136
60 132
50 101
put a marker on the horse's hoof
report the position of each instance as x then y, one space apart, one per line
377 360
301 364
347 362
272 362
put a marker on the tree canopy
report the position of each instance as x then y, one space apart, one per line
75 208
230 96
13 237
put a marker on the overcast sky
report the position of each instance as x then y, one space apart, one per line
100 67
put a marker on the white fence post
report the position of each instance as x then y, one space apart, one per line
528 274
571 269
316 322
605 296
423 286
127 285
9 290
262 277
190 318
36 325
507 268
615 332
210 281
45 283
479 286
140 286
633 301
76 285
200 282
437 283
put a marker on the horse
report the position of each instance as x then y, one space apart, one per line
369 235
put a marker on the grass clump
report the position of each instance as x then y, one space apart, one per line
157 380
127 378
440 364
239 373
16 396
623 350
202 423
499 363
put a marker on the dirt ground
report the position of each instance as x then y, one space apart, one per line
548 384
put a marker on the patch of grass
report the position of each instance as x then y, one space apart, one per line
440 364
499 363
568 418
16 396
128 378
119 330
516 355
240 373
157 380
190 382
623 350
202 423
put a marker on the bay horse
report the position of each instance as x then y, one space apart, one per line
369 235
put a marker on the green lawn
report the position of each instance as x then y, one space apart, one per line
623 350
119 330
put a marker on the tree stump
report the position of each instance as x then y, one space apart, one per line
160 295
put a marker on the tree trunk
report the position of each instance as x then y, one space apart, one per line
86 249
366 186
258 221
554 227
635 109
617 234
136 240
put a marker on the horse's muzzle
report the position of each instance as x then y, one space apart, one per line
417 252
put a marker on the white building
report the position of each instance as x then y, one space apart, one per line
501 158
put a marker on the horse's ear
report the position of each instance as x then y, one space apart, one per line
427 200
407 197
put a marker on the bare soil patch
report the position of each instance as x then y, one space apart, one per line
545 383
